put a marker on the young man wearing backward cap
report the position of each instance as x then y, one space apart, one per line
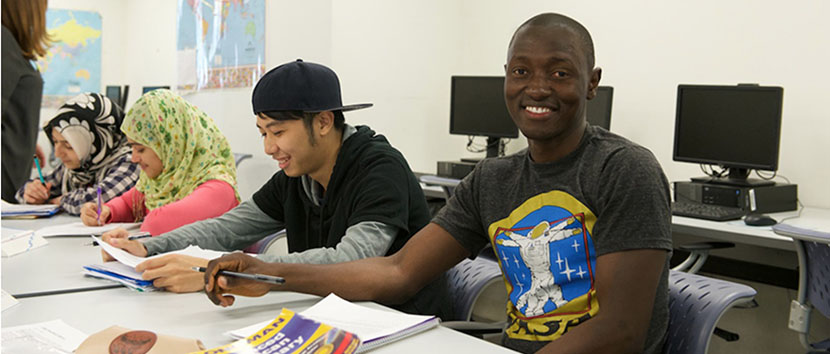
343 193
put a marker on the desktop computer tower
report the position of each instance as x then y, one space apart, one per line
455 169
764 199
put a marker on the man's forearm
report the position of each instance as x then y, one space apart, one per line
370 279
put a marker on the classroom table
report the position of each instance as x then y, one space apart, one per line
194 316
53 268
50 280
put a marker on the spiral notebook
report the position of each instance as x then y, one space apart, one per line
374 327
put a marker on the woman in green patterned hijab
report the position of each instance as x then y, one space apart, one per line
190 146
185 150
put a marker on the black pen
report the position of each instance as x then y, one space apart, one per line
258 277
131 237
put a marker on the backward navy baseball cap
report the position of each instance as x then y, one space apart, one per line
300 86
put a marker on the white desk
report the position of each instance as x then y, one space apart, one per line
54 267
194 316
738 232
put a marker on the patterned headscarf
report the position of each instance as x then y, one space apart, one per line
91 124
190 146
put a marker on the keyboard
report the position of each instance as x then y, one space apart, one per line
706 211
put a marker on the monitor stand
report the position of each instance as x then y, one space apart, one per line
736 177
493 150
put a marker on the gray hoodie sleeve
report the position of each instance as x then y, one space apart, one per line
238 228
362 240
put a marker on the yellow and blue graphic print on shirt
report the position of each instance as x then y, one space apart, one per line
547 255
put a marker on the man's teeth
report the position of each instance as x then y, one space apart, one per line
537 110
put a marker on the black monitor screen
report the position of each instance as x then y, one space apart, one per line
477 107
731 126
114 94
146 89
599 108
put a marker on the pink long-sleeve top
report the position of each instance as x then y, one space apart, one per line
208 200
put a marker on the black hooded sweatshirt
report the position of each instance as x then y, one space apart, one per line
371 181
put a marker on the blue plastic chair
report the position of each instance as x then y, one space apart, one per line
467 282
263 244
813 248
238 157
696 303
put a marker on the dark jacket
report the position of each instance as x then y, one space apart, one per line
22 89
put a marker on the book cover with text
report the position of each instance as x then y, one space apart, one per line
292 333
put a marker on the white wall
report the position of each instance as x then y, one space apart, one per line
400 55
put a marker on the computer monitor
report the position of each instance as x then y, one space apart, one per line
146 89
735 127
599 108
477 108
114 94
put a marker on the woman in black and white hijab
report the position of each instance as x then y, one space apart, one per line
86 136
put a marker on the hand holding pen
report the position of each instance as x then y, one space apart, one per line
120 238
219 285
90 216
131 237
34 192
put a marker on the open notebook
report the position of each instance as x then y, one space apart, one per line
373 326
79 229
122 270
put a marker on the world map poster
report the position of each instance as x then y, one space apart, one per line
221 43
73 62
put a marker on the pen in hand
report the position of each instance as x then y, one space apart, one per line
39 171
258 277
99 205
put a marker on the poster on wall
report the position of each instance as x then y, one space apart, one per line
73 62
221 43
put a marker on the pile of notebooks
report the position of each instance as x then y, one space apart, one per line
9 210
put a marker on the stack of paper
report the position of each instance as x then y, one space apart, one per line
45 337
79 229
27 210
373 326
122 270
18 241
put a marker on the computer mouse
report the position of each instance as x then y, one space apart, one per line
759 220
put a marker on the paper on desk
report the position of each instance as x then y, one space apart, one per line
133 260
41 338
372 326
18 241
79 229
8 300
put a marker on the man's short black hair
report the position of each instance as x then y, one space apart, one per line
553 19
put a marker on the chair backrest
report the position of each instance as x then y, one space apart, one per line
818 275
696 303
262 246
813 248
238 157
467 281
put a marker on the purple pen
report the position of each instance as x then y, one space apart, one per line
99 204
